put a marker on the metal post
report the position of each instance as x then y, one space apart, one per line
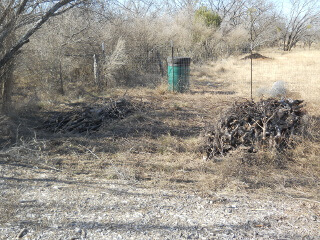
61 79
251 11
251 69
172 67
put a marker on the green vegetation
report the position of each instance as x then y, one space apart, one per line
208 17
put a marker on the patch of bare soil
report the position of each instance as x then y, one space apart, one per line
45 204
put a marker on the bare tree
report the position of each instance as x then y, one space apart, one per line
262 21
138 8
311 36
231 11
303 13
19 20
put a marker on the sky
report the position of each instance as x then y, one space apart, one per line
283 5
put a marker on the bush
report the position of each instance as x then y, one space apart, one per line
208 17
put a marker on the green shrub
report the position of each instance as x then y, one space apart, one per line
208 17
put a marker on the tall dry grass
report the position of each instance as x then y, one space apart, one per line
160 145
299 69
297 168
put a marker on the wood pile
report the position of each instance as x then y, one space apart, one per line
254 56
87 118
268 123
8 131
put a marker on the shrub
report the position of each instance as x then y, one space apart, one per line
208 17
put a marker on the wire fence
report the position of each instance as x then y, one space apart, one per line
273 73
281 74
297 71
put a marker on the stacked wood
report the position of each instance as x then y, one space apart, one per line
268 123
87 118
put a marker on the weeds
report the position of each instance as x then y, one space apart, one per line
159 144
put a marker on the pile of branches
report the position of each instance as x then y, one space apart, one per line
87 118
254 56
268 123
8 131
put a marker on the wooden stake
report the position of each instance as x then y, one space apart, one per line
96 70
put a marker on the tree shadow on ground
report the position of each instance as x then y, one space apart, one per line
211 87
147 122
139 131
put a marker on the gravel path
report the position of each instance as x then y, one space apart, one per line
42 204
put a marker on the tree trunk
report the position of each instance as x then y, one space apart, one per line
61 79
160 63
7 78
8 82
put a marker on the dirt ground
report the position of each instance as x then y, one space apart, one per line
46 204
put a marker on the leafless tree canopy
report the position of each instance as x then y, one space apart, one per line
303 16
19 20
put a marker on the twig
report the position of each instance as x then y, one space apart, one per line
112 163
53 168
22 233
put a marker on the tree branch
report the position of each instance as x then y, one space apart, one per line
25 38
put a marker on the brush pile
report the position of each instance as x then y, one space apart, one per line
87 118
255 56
269 123
8 131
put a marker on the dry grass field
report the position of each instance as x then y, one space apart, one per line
159 145
298 69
